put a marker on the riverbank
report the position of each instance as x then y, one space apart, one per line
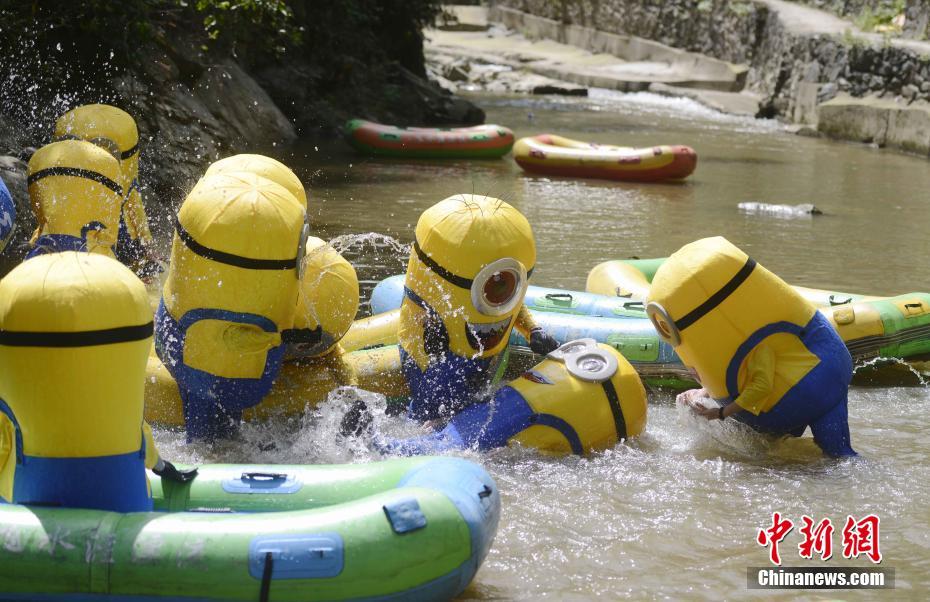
796 59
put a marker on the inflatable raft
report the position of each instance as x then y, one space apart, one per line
558 156
406 529
479 142
630 278
872 327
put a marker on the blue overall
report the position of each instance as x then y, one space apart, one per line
59 243
117 483
483 426
450 382
213 404
7 216
818 400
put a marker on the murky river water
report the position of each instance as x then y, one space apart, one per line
673 514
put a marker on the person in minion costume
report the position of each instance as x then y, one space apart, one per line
229 299
72 434
583 397
76 195
768 357
327 303
115 130
463 293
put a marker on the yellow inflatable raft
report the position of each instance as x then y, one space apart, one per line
558 156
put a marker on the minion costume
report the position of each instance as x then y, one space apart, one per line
583 397
463 293
115 130
76 196
327 302
230 297
75 332
266 167
755 342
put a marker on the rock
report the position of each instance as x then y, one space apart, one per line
827 91
456 73
909 92
560 90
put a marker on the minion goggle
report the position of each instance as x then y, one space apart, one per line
296 263
670 329
586 361
497 289
589 363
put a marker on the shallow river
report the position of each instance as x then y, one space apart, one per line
673 514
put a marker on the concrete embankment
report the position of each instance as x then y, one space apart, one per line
807 66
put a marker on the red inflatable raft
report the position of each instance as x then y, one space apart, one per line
479 142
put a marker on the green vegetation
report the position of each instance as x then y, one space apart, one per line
882 17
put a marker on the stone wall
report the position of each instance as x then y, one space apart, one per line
781 62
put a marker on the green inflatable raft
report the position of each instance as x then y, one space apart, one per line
407 529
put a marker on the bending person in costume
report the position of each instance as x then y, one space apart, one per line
466 278
583 397
768 357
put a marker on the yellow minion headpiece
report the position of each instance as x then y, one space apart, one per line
75 333
74 188
480 244
243 220
103 125
327 298
693 282
263 166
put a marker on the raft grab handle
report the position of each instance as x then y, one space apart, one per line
262 482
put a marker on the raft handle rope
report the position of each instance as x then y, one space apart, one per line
265 590
84 338
559 297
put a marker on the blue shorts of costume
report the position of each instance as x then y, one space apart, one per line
818 400
213 404
117 483
483 426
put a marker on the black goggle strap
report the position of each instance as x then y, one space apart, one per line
717 298
83 338
445 274
238 261
75 172
614 401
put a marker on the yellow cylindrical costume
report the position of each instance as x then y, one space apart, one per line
230 292
753 340
75 331
115 129
76 196
463 293
583 397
